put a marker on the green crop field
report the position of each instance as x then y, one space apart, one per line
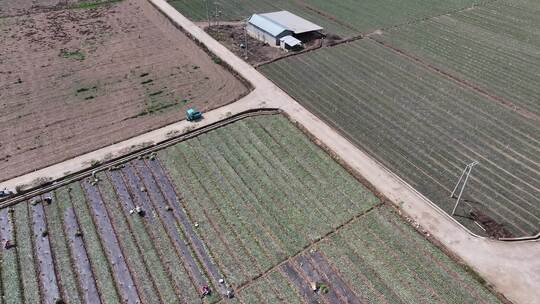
496 46
344 17
378 259
236 10
425 128
254 203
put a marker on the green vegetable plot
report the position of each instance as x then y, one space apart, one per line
425 128
496 47
253 208
344 17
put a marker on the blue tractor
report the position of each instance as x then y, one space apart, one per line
192 114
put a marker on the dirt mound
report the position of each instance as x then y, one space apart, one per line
493 229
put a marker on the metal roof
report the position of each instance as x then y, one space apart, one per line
290 40
277 22
267 25
292 22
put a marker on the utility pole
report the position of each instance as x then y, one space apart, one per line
465 177
245 40
217 16
207 12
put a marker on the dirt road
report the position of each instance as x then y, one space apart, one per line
511 268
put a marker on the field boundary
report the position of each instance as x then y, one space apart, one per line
52 185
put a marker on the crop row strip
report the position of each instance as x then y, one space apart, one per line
248 205
263 237
118 161
59 245
42 251
156 237
80 259
23 235
243 171
309 160
372 284
375 236
147 289
330 118
334 277
10 281
312 244
95 250
288 193
120 270
317 183
215 216
410 237
310 274
258 175
173 200
158 204
289 179
205 171
228 257
405 109
169 224
304 289
150 275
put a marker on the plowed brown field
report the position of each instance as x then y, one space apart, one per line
75 80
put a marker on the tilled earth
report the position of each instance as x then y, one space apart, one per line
75 80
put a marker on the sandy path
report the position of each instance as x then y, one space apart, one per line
511 268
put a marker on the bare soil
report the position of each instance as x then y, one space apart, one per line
75 80
493 229
234 38
10 8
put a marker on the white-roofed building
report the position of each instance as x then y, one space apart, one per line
280 29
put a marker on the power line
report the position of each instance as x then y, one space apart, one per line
465 177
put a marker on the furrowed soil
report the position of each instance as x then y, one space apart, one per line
75 80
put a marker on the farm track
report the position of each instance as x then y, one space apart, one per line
134 155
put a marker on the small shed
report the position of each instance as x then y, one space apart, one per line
280 29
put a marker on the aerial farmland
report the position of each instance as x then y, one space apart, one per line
259 216
431 97
258 151
76 77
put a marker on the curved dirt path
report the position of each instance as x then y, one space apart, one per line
511 268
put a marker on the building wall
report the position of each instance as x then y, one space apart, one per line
261 35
